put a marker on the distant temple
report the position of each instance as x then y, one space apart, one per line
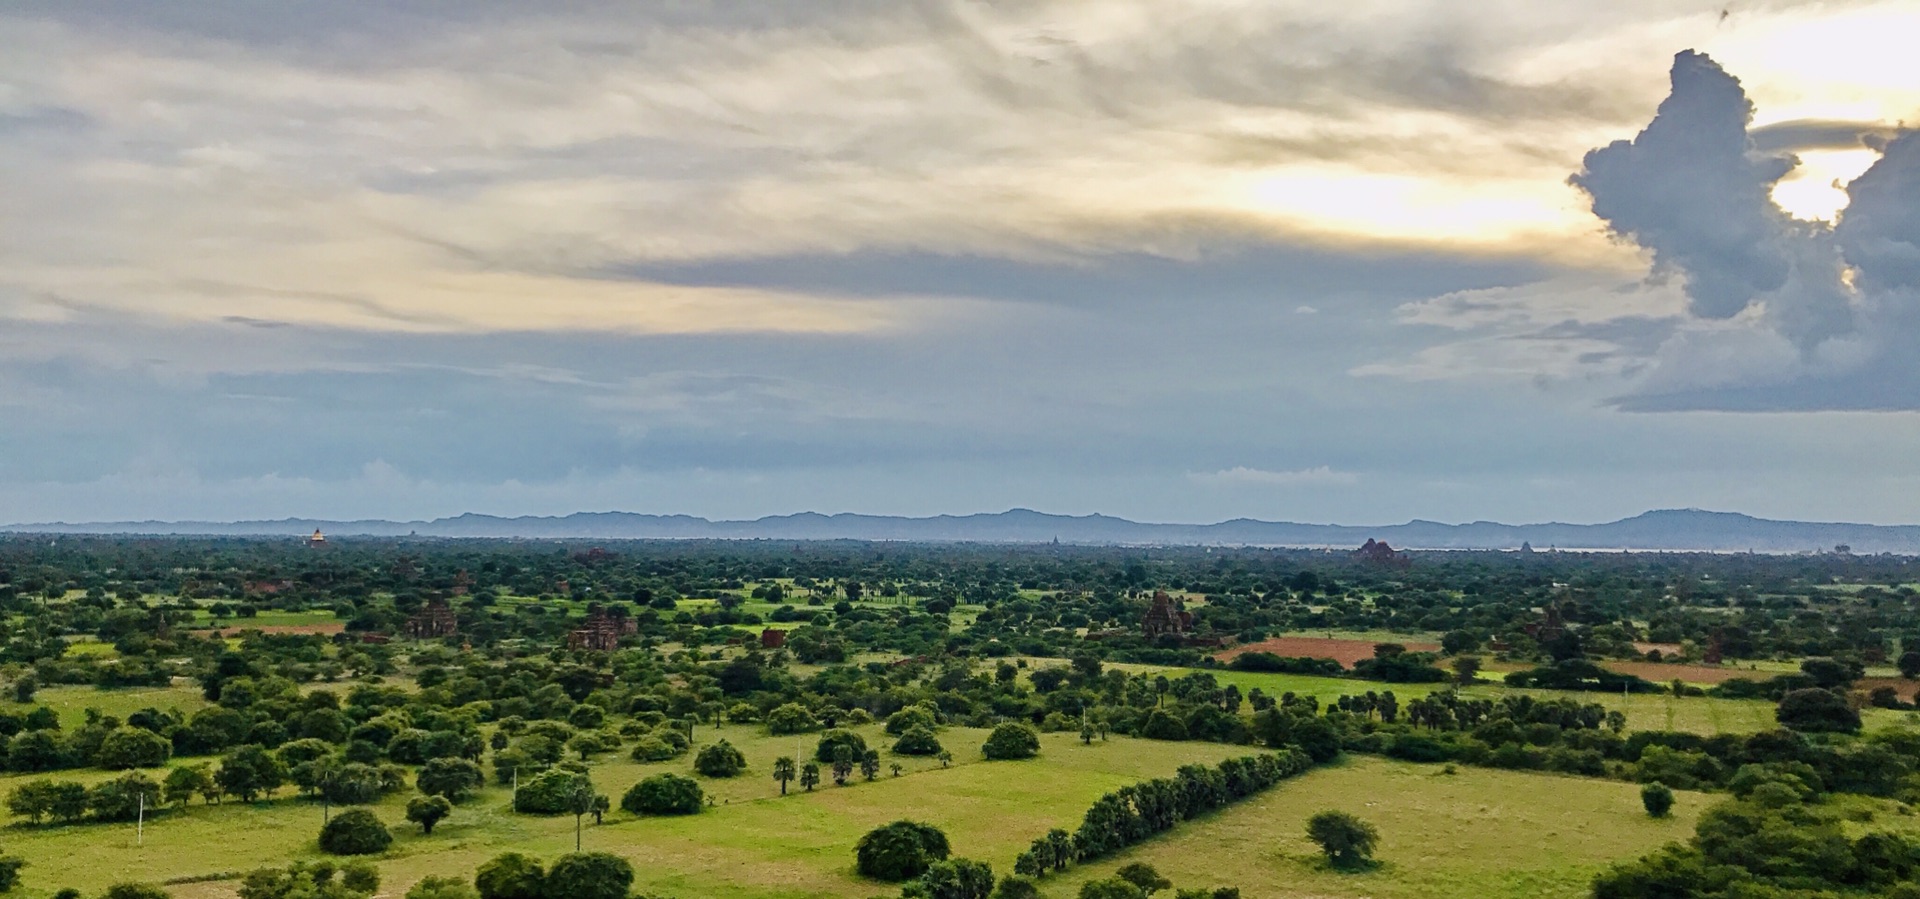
1164 617
317 541
433 621
1377 552
602 631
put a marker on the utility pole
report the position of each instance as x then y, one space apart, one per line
140 822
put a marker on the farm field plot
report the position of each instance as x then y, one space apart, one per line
72 702
751 843
1479 833
1344 650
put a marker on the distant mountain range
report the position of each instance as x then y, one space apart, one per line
1671 529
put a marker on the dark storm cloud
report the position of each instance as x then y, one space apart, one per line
1817 134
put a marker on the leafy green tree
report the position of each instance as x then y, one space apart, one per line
1909 664
719 759
510 876
355 832
454 779
589 875
132 747
1016 887
250 771
551 792
69 801
1012 741
870 764
792 718
918 740
427 811
360 877
134 891
1814 710
10 866
1347 841
900 851
810 776
121 799
833 739
955 878
1110 888
843 756
431 887
783 771
664 794
32 800
1657 798
900 722
1144 876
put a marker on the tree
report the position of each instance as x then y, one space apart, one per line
250 771
792 718
427 811
664 794
510 876
355 832
843 756
810 776
360 877
455 779
551 792
1814 710
911 717
1657 798
122 798
1909 664
720 759
918 740
1012 741
431 887
589 875
900 851
134 891
132 747
833 739
10 866
870 764
1466 669
1016 887
783 771
957 878
1111 888
1347 841
1143 875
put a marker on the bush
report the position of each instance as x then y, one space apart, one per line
1111 888
427 811
1163 726
10 866
823 753
720 760
900 851
917 740
134 891
441 888
663 794
909 718
792 718
1012 741
550 792
1657 798
1814 710
1347 841
455 779
355 832
589 875
360 877
133 747
510 876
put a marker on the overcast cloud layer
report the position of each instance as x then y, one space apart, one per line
1356 262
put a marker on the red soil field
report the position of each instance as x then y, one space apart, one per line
1660 672
1346 652
329 627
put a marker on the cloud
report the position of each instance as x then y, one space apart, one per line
1242 476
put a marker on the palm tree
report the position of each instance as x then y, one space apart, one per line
842 763
783 771
810 776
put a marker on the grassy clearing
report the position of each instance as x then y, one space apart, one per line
1480 833
72 702
754 843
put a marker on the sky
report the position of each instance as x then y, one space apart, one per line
1358 262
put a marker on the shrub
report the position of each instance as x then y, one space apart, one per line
360 877
1111 888
549 793
792 718
589 875
1657 798
830 739
1347 841
900 851
720 760
1814 710
455 779
917 740
653 749
441 888
510 876
1012 741
133 747
909 718
355 832
663 794
134 891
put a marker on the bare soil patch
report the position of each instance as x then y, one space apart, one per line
1661 672
1346 652
328 628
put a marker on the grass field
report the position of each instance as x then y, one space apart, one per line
754 843
72 702
1479 833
